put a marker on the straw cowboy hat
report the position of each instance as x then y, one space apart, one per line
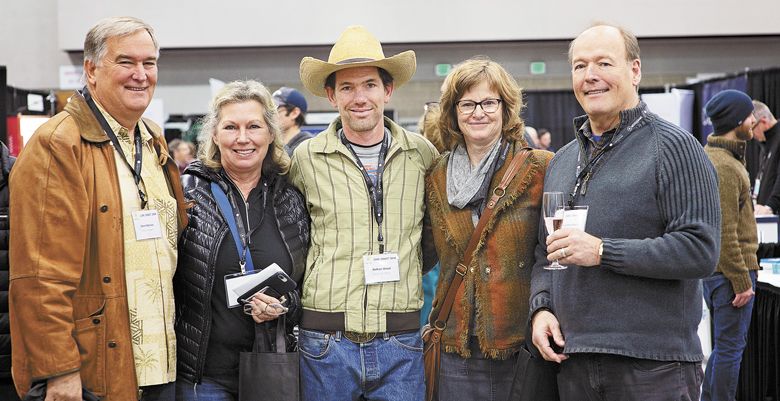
356 47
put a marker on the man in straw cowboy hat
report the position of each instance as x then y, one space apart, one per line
363 179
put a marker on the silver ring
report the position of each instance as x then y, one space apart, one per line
563 253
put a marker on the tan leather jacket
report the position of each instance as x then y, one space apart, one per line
68 299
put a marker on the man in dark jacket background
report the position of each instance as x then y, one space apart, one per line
7 391
768 183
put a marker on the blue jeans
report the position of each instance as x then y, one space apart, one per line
386 368
206 390
730 326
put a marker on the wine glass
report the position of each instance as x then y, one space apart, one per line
553 206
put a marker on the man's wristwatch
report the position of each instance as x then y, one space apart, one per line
601 248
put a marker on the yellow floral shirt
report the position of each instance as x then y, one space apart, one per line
149 264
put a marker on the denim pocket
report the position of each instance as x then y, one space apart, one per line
313 344
651 366
410 342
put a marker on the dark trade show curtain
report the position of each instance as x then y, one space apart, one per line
763 85
758 376
554 110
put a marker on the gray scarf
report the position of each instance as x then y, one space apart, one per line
463 181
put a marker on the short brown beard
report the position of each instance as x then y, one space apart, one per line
744 133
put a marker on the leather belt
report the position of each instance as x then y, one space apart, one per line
362 338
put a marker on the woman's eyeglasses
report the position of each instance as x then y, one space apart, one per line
469 106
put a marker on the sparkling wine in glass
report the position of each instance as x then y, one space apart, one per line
553 206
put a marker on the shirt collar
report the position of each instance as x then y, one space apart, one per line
629 119
120 131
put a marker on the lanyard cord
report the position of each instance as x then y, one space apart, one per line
136 169
229 208
375 192
584 174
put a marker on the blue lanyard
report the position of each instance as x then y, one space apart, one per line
245 258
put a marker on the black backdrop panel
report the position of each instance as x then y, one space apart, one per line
3 105
554 110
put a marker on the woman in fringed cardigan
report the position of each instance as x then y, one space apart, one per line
481 128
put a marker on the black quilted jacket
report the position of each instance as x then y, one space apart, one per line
198 248
5 330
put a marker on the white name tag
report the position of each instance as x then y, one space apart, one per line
381 268
147 224
575 217
236 283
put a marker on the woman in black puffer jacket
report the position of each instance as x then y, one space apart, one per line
240 152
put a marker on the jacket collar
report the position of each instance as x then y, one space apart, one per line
89 127
736 147
772 135
630 119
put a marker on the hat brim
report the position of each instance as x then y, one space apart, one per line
314 72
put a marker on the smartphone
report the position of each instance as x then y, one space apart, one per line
278 284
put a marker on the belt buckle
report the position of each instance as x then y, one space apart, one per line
359 338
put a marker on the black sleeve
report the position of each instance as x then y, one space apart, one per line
768 250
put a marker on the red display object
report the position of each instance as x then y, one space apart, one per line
14 140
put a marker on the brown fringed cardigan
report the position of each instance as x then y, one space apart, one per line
497 282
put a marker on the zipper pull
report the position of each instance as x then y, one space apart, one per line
584 188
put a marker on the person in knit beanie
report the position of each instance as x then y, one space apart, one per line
729 292
728 110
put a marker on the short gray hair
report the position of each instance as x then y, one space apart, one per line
761 110
276 160
95 47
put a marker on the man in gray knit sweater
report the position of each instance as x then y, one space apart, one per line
626 311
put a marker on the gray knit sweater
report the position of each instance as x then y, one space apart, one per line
653 200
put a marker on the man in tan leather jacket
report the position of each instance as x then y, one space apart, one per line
96 209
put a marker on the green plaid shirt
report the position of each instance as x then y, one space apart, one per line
343 228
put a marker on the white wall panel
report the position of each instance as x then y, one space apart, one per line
242 23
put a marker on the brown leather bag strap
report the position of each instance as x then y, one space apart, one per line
460 271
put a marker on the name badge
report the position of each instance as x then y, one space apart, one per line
235 283
381 268
575 217
147 224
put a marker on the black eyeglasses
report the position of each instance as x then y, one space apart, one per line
469 106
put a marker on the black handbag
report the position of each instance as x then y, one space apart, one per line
268 375
535 378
